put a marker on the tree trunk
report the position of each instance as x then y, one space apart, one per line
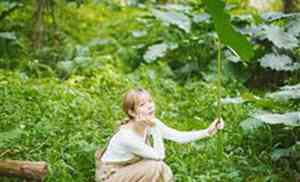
24 169
38 23
289 5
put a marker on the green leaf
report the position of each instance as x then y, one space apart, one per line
294 27
278 62
250 124
286 152
273 16
286 93
158 51
200 18
176 7
8 35
226 32
288 119
279 37
175 18
155 51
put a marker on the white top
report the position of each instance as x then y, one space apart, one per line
125 144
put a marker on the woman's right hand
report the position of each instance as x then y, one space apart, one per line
146 119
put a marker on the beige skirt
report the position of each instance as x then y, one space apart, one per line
141 171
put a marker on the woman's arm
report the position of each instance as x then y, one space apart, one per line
137 146
181 136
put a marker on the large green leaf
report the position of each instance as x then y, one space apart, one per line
278 62
294 27
286 93
273 16
227 34
280 38
292 151
158 51
256 120
288 119
155 51
8 35
174 18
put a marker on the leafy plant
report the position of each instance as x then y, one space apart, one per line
226 33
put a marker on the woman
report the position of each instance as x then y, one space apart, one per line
129 156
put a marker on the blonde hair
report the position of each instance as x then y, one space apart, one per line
130 102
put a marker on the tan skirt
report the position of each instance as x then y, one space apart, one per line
141 171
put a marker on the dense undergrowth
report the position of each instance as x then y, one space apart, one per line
61 102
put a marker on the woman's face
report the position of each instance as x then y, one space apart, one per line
145 105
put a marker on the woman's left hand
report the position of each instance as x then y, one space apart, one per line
220 124
215 125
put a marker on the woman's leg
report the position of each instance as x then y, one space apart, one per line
143 171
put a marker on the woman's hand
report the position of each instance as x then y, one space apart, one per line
215 125
146 119
220 124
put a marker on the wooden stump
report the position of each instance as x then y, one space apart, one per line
24 169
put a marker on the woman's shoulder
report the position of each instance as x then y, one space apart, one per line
125 131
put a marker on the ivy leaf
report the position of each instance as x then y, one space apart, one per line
279 37
176 18
278 62
227 34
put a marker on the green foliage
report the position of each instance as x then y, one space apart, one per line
286 93
226 33
278 62
61 102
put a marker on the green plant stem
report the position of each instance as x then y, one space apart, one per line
220 148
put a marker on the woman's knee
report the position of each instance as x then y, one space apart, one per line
155 163
160 168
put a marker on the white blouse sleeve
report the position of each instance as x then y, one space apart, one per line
181 136
137 146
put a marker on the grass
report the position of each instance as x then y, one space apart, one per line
63 123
